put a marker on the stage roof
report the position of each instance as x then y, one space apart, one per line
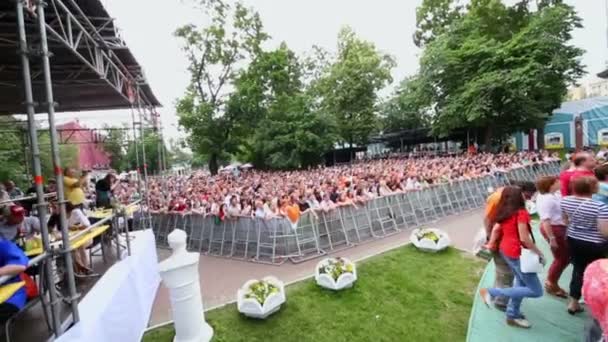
91 66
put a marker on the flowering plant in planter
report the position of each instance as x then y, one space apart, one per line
430 239
261 298
335 273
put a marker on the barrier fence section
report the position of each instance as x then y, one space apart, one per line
277 240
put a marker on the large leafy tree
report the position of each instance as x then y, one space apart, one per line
435 17
15 154
151 143
500 69
406 108
349 89
215 53
115 145
287 132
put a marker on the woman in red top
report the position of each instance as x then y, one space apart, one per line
514 222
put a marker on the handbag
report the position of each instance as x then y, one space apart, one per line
530 262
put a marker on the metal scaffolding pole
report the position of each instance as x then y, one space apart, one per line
143 147
137 164
41 205
66 249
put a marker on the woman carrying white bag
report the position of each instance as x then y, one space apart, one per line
518 249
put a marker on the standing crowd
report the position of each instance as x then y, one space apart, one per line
267 194
573 213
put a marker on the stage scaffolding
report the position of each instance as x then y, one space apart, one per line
66 55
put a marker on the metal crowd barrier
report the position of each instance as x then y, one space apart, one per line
276 240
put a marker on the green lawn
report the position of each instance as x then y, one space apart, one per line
402 295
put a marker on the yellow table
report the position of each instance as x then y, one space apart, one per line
76 243
103 213
7 291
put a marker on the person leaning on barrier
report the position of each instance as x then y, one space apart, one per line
503 275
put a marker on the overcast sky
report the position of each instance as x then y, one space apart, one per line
148 26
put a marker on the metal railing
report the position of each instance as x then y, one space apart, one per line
277 240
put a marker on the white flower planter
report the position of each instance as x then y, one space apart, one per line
345 280
429 245
252 308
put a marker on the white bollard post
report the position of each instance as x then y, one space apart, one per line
180 275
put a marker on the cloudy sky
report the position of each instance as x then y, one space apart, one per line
148 26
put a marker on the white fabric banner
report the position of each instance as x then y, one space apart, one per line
118 306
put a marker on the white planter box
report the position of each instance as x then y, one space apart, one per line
252 308
345 280
429 245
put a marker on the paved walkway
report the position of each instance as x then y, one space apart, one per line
548 316
220 277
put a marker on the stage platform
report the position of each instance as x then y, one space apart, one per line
121 298
548 316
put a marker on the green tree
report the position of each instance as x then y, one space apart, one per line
13 157
287 132
406 108
500 69
215 53
433 18
178 154
115 145
152 145
349 90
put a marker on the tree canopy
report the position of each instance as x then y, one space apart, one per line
499 68
215 53
485 67
349 90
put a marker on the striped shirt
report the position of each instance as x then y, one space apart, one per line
582 215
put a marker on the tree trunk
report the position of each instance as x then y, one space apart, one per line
540 137
213 167
487 139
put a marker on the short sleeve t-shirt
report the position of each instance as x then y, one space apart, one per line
583 214
492 203
73 193
10 254
78 218
510 244
567 176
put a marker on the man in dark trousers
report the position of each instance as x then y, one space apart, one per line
103 191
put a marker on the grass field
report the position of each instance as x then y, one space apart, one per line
402 295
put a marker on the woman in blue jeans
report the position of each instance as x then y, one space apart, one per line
513 223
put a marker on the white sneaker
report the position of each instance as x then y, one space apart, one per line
519 323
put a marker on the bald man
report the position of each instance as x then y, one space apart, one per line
583 164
